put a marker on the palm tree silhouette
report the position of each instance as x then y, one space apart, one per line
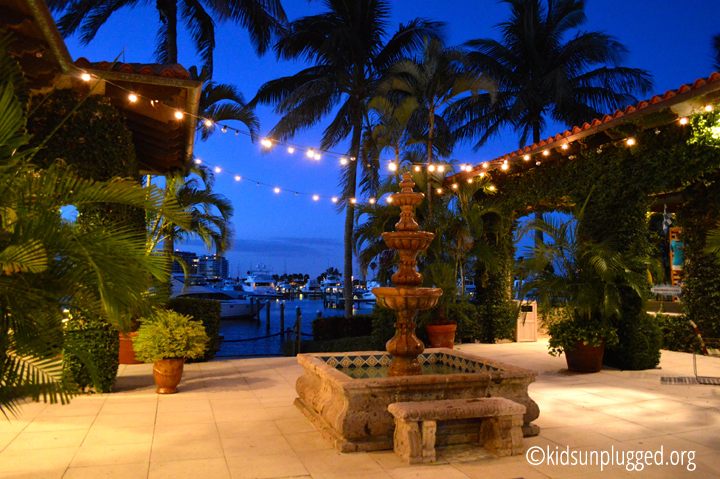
350 51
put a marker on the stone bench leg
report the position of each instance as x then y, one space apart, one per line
414 442
503 436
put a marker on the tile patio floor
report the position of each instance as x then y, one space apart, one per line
235 419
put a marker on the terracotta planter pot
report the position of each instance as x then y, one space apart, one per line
585 358
167 374
441 335
127 353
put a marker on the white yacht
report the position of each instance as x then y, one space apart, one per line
311 287
195 286
260 282
331 284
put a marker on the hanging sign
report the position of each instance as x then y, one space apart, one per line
666 289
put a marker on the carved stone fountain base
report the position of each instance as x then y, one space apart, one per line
352 413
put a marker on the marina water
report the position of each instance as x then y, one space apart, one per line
234 330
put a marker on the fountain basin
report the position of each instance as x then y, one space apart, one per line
404 299
408 240
352 413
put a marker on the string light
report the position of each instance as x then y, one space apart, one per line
546 152
277 190
291 150
266 143
630 141
486 164
353 200
504 166
371 201
538 163
343 161
85 76
482 174
441 168
334 199
454 186
392 166
316 197
470 180
310 153
431 168
198 161
462 167
208 123
238 178
491 188
708 108
683 121
179 115
132 97
389 199
599 150
439 191
224 129
565 146
217 169
317 156
417 168
526 157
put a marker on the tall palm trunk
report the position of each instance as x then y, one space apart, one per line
168 8
431 131
350 214
538 215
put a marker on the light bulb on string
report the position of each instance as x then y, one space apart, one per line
224 129
630 141
546 152
486 164
132 97
310 153
708 108
266 143
343 161
565 146
277 190
441 168
392 166
417 168
482 175
291 150
297 193
431 168
526 157
538 163
371 201
237 132
217 169
683 121
208 123
463 167
317 156
198 161
491 188
439 191
504 166
179 115
389 199
454 186
470 180
85 77
238 178
316 197
334 199
353 200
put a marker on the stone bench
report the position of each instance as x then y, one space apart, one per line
416 425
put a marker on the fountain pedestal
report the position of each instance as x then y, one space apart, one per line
407 298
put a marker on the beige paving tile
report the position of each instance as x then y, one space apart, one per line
39 473
332 461
13 426
120 471
178 402
500 468
60 423
184 442
427 471
194 469
623 430
240 413
47 439
303 442
165 418
44 461
129 407
292 426
247 429
120 420
259 445
78 407
709 437
261 467
101 435
7 437
575 437
112 454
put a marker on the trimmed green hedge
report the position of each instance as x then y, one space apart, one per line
91 354
205 311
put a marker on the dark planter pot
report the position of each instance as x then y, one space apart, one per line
127 353
441 335
585 358
167 374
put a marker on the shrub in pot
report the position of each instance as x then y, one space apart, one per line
583 279
167 339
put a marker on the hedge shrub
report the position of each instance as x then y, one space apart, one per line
205 311
91 354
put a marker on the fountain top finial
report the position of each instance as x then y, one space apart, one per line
407 183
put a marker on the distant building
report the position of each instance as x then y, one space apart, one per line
190 259
213 267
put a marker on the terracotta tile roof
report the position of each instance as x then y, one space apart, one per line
169 70
681 99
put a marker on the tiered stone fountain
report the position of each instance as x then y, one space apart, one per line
346 395
407 298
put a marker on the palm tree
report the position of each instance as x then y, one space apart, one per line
349 50
436 81
389 125
221 102
541 75
50 267
210 214
716 52
260 17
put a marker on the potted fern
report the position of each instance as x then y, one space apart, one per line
166 339
578 285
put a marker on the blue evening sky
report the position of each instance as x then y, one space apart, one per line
671 39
